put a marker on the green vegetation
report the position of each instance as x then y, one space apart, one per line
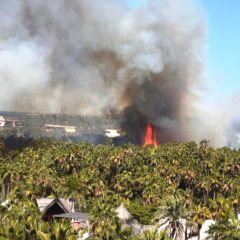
153 235
175 181
227 226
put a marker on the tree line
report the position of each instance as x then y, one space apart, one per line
193 181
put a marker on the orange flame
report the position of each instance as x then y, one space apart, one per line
151 136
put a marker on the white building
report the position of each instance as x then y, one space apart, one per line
67 129
2 121
111 133
205 227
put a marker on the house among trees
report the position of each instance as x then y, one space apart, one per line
112 133
61 208
78 220
66 129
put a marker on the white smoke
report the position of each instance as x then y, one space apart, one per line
69 33
87 57
220 121
22 69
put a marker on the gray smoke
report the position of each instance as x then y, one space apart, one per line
99 56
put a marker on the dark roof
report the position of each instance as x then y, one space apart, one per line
56 201
73 215
45 203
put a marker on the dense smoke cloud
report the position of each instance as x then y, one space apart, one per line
97 57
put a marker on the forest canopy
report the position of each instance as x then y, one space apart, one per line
102 177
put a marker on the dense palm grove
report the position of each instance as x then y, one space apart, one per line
190 181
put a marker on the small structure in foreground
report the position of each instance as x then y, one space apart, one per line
52 206
78 220
62 208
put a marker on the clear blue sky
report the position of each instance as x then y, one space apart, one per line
222 46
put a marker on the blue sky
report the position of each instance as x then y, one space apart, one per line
222 46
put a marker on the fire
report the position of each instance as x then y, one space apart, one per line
150 136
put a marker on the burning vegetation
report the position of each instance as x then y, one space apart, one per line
151 136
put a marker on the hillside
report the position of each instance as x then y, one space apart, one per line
16 125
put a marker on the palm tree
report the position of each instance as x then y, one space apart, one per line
153 235
199 215
172 218
57 231
105 223
225 230
228 226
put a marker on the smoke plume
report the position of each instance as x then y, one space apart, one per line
97 57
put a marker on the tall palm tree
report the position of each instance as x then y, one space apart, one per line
172 217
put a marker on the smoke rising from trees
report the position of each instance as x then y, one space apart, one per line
98 57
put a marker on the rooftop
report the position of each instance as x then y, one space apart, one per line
74 215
